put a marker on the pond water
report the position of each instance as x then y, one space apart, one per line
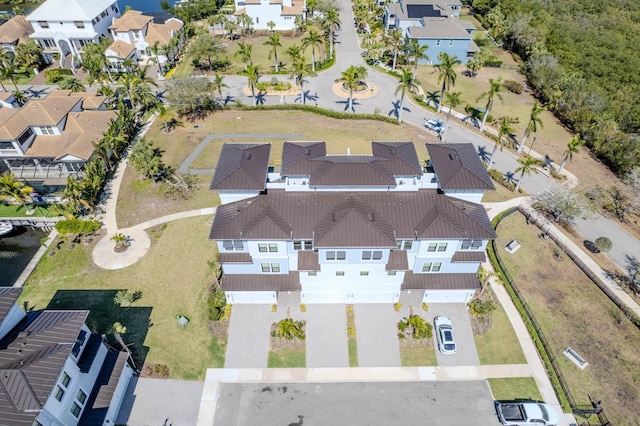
16 250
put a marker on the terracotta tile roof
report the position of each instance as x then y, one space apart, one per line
7 114
235 258
261 282
5 95
163 33
458 166
16 29
131 20
90 100
469 256
431 281
397 261
295 9
121 48
308 260
242 166
241 11
348 219
47 112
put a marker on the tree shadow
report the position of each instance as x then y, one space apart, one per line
104 313
346 105
510 177
227 100
35 94
260 98
589 245
484 154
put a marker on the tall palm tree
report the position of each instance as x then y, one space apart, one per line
218 84
294 52
407 84
330 22
252 79
244 51
271 25
573 147
526 167
534 122
495 88
351 77
12 188
71 83
156 50
453 100
447 74
300 71
165 114
8 71
504 136
274 42
418 52
313 40
394 40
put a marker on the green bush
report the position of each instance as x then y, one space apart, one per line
499 177
493 63
216 303
54 75
480 308
481 41
77 226
319 111
417 327
280 85
513 86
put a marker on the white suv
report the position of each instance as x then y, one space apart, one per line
444 335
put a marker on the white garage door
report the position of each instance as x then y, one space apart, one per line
234 297
447 296
385 297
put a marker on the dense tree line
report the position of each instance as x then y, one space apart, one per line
580 56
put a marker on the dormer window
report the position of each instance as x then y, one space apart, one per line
47 130
78 24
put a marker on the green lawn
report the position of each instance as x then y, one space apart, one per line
500 344
173 278
418 357
353 352
500 194
16 210
514 388
287 359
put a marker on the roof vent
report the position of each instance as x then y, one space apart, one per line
23 334
247 156
453 156
334 217
371 217
238 207
392 151
307 151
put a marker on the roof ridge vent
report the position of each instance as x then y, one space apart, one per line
307 151
392 150
247 156
371 216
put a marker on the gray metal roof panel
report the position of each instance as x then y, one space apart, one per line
458 166
261 282
241 166
469 256
431 281
8 298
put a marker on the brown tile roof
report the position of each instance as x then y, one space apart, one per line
469 256
31 360
16 29
242 166
342 219
47 112
431 281
163 33
121 48
295 9
296 154
90 100
308 260
235 258
261 282
397 261
8 298
241 11
101 396
130 20
458 166
6 95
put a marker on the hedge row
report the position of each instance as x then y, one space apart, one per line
320 111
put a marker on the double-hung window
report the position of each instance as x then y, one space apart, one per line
270 267
440 247
336 255
471 244
371 255
431 266
231 245
76 407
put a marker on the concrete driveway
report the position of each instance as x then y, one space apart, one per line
327 336
248 336
467 353
158 402
377 335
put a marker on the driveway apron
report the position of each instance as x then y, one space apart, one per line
248 336
466 353
327 336
377 335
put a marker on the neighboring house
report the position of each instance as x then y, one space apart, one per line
64 27
54 371
134 33
281 12
47 140
434 24
350 229
8 100
15 30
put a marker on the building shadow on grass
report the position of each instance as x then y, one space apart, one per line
104 313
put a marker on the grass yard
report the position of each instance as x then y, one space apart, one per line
70 280
500 194
574 313
418 357
353 352
287 359
500 344
17 210
514 388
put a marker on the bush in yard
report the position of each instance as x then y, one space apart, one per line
480 308
603 244
216 304
54 75
77 226
290 329
513 86
416 327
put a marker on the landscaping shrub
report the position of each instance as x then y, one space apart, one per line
54 75
513 86
279 85
77 226
603 244
493 62
480 308
499 177
416 327
319 111
482 41
216 303
290 329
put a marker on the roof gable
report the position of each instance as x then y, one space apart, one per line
242 167
458 166
62 10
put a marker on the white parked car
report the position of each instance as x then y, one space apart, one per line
526 413
435 125
444 335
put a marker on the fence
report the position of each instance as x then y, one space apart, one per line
567 401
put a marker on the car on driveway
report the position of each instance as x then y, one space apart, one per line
435 125
444 335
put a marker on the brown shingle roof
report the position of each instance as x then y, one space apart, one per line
8 298
242 166
397 261
121 48
341 219
458 166
16 29
431 281
261 282
295 9
163 33
130 20
469 256
47 112
308 260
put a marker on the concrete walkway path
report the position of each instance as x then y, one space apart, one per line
327 336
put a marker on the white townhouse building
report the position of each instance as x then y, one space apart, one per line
283 13
54 371
63 27
350 228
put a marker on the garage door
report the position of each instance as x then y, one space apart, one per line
448 296
368 297
234 297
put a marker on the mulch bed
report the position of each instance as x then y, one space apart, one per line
155 371
282 344
219 328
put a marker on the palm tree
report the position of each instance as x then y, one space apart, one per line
573 147
532 126
165 114
12 188
71 83
330 22
447 74
495 87
407 84
244 51
252 79
218 84
294 52
300 71
20 97
156 50
271 25
274 42
8 71
394 40
313 40
504 136
526 167
418 52
453 100
351 78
